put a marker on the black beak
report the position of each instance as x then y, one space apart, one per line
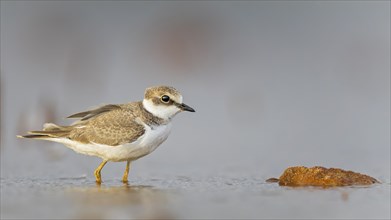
185 107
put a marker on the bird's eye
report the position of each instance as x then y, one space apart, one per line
165 98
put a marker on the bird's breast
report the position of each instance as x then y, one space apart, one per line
154 136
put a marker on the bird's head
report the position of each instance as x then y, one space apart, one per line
164 102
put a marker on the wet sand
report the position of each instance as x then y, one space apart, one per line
186 197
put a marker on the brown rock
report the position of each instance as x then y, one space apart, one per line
320 176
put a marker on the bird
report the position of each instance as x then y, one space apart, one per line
119 132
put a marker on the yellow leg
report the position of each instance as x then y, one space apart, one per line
97 171
125 176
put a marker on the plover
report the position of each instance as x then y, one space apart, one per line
121 132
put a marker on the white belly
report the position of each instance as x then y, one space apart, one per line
143 146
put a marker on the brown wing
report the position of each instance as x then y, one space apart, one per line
94 112
114 127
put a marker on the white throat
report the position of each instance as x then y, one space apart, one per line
161 111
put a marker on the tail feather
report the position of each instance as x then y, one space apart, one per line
34 136
54 133
49 131
51 126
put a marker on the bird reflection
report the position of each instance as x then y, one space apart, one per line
126 201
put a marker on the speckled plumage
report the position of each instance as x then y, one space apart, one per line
122 132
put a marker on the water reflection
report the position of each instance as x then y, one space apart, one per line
126 201
81 198
184 197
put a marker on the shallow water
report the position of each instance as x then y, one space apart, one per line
186 197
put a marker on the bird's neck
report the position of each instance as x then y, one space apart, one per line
150 118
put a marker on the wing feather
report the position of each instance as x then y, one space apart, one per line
94 112
114 127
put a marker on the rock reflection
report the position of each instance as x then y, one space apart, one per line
125 202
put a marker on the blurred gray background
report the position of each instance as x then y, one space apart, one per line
274 84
